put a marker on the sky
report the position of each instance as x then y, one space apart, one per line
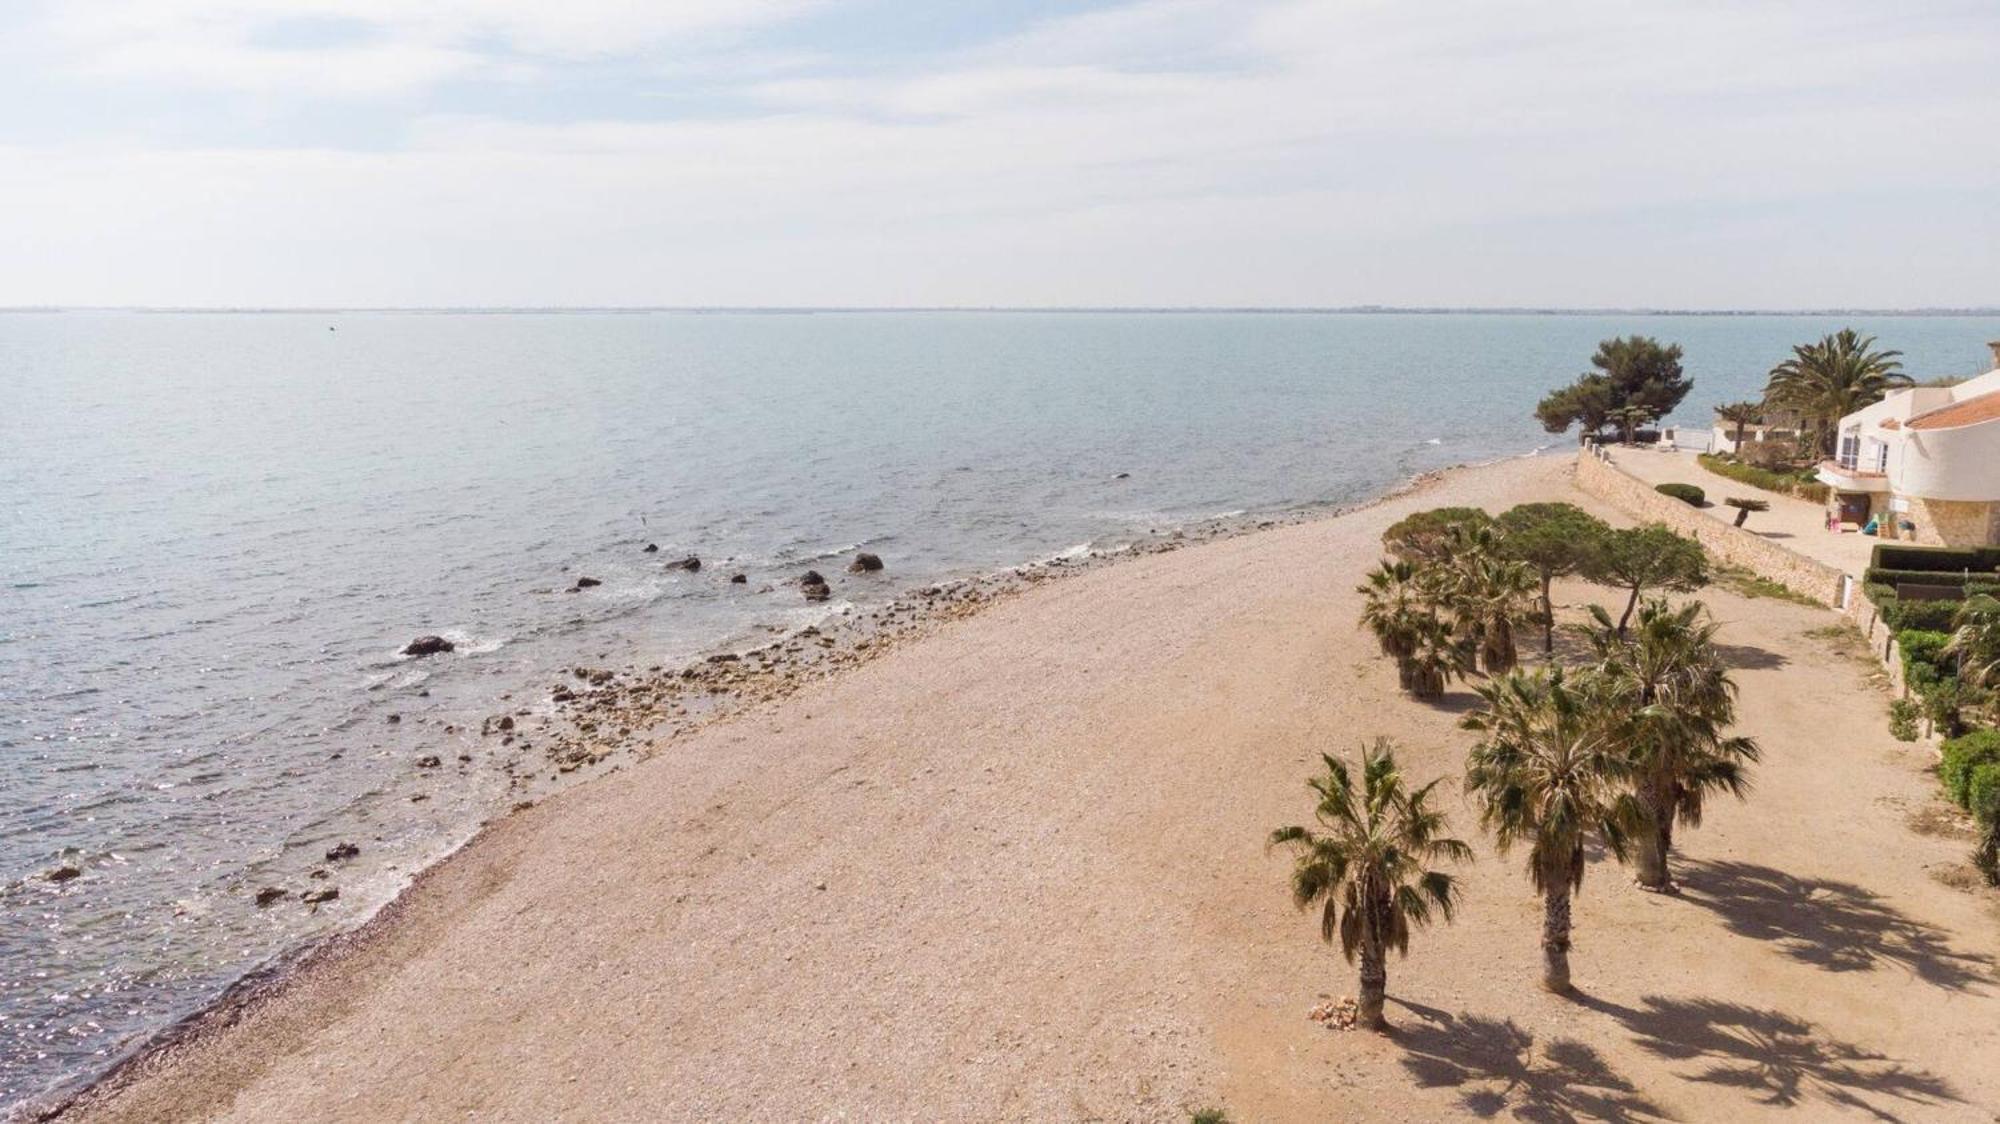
1596 153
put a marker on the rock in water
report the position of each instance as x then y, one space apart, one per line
739 579
652 548
585 583
314 897
342 851
865 563
691 564
64 874
429 761
814 586
428 646
269 894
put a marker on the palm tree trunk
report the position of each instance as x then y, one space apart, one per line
1555 938
1374 985
1498 650
1739 440
1548 618
1656 841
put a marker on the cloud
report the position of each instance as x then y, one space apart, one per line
1163 152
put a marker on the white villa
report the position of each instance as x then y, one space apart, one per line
1923 463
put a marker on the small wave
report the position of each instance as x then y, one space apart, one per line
1435 441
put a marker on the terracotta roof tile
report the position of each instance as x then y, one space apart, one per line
1984 407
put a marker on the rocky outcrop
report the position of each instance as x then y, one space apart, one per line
865 563
428 646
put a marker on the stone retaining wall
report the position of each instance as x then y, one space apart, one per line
1738 547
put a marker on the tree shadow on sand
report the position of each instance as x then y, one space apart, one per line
1838 926
1749 657
1780 1059
1499 1067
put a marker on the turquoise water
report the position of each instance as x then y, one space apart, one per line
218 530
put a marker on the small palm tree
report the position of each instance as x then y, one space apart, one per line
1744 506
1369 867
1391 604
1674 697
1741 415
1549 772
1492 595
1828 380
1437 655
1975 643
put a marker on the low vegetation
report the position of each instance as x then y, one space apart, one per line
1686 493
1795 482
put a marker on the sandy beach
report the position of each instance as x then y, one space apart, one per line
1014 869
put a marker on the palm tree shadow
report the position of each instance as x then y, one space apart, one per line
1499 1067
1749 657
1838 926
1783 1060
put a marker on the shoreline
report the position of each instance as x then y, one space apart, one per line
1022 862
930 606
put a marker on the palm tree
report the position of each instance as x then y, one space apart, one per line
1391 604
1548 773
1674 697
1740 415
1828 380
1492 595
1369 868
1437 655
1745 506
1975 642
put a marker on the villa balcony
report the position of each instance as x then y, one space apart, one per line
1845 475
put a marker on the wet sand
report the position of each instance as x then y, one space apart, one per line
1013 868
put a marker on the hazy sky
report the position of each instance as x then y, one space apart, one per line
973 152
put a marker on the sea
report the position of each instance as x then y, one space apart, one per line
218 530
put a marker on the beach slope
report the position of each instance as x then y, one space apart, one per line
1015 870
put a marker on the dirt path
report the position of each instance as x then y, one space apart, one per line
1015 871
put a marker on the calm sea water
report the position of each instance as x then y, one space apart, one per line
216 531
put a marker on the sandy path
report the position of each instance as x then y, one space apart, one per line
1015 870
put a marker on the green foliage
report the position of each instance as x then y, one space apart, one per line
1781 483
1962 755
1636 379
1903 716
1209 1116
1686 493
1950 559
1926 616
1426 535
1554 539
1982 793
1921 646
1828 380
1648 558
1747 583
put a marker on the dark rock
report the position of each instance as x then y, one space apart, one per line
1123 476
724 657
816 591
691 564
429 761
585 583
739 579
812 578
652 548
342 851
393 719
428 646
65 874
314 897
506 722
865 563
269 894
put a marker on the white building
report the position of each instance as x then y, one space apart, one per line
1924 463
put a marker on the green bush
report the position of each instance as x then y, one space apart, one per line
1921 646
1963 755
1686 493
1903 715
1929 616
1784 484
1949 559
1913 577
1982 793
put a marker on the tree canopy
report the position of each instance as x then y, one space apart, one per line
1633 373
1652 557
1554 540
1427 535
1828 380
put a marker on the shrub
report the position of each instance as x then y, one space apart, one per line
1930 616
1921 645
1903 715
1949 559
1686 493
1982 792
1961 756
1764 478
1932 578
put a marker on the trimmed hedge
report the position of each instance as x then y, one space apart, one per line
1964 755
1686 493
1928 616
1917 577
1933 559
1921 646
1781 483
1982 794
